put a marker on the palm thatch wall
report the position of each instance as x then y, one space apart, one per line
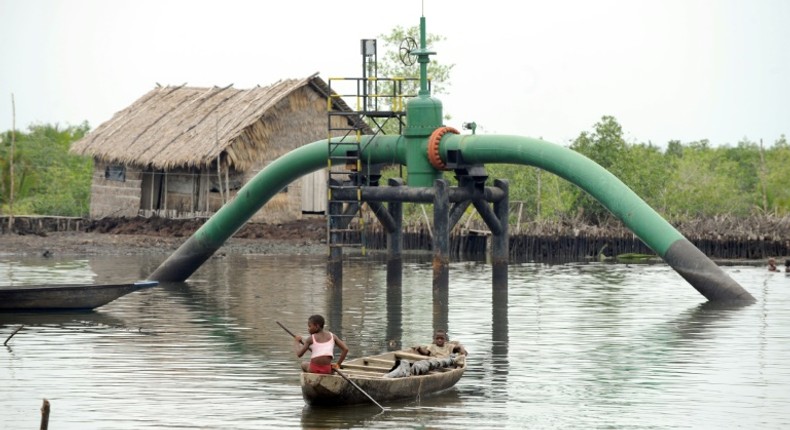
184 151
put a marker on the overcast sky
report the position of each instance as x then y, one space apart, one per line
666 69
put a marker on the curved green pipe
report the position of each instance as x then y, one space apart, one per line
646 223
253 195
574 167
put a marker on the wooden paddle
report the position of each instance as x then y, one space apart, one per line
343 375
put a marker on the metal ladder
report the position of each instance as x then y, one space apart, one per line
346 169
344 219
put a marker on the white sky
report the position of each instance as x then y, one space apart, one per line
666 69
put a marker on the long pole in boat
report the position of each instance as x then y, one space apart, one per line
343 375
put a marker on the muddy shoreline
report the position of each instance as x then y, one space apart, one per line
160 236
721 238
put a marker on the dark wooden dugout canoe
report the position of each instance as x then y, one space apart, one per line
368 373
64 297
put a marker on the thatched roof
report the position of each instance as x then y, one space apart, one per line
180 126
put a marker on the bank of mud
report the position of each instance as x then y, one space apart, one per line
50 236
721 238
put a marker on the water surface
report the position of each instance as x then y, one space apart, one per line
574 345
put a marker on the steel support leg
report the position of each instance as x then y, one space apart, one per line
441 254
395 240
499 246
334 265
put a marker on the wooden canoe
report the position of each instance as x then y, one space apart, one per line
368 373
64 297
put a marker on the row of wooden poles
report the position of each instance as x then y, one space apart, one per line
35 224
530 247
523 247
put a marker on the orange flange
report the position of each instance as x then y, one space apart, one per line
433 147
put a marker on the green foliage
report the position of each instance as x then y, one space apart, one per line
647 171
539 195
776 175
47 179
390 65
747 157
607 147
706 182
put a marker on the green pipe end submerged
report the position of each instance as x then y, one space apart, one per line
253 195
705 276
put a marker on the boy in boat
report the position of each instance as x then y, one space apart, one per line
322 343
441 346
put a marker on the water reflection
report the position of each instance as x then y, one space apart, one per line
441 303
61 319
572 345
394 316
409 413
335 307
45 271
500 341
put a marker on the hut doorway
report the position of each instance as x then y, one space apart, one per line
152 191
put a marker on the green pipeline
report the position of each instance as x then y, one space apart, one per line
647 224
568 164
574 167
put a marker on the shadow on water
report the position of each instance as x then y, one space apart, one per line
340 417
66 320
15 325
667 346
241 301
696 322
411 411
203 305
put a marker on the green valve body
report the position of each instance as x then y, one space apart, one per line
424 115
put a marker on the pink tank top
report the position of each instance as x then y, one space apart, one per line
323 349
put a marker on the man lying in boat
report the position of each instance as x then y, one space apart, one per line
441 346
441 354
322 345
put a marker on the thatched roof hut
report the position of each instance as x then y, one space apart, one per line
181 126
203 133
